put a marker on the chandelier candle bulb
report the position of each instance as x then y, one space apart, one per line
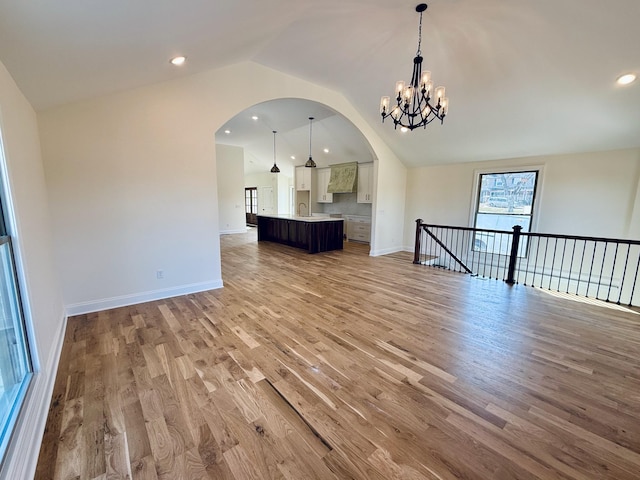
426 78
445 105
399 87
408 94
440 94
384 104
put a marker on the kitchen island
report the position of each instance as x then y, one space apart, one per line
314 234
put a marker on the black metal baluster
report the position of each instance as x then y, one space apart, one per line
535 263
544 261
573 252
624 273
437 247
493 253
553 261
457 249
593 259
519 259
635 279
584 249
604 256
448 243
615 257
528 255
493 250
564 247
472 235
500 256
442 235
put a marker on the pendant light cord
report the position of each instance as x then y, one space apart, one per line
310 129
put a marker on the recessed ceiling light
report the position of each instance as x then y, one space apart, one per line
626 79
326 150
177 61
254 117
227 132
404 129
293 157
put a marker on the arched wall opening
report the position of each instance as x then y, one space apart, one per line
245 152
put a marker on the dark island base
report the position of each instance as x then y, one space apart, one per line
312 236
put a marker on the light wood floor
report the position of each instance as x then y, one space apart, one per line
339 365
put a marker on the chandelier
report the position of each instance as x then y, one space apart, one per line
310 163
417 104
275 168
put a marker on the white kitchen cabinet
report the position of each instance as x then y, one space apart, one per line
303 178
365 183
323 175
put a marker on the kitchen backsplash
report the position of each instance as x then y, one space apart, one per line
346 204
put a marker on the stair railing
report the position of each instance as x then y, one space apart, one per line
594 267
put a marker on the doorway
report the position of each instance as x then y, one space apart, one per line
251 205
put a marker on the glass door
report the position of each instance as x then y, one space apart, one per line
251 205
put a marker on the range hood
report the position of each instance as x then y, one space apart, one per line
344 177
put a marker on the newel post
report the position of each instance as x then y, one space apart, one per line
515 244
416 248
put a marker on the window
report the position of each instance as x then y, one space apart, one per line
15 361
504 200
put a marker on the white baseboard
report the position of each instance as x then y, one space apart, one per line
230 232
385 251
22 456
132 299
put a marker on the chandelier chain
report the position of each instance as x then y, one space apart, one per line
419 52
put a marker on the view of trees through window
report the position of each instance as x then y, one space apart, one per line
504 200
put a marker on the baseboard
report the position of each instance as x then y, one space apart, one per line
385 251
231 232
126 300
22 456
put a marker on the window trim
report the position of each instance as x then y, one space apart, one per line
10 235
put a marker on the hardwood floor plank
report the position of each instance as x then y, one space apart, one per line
144 469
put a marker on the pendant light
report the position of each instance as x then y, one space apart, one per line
275 168
310 163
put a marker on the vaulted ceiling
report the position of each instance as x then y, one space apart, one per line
524 77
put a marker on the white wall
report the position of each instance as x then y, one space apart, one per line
230 161
39 282
592 194
133 190
389 186
284 194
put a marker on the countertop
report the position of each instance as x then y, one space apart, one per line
303 219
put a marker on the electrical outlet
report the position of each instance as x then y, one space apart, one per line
159 274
